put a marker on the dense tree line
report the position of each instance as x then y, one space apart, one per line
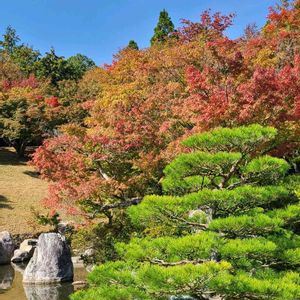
142 105
37 93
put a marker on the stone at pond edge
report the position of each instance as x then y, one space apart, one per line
77 261
79 285
29 245
7 247
25 252
20 256
51 261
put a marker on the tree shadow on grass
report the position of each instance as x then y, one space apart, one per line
32 174
4 202
9 157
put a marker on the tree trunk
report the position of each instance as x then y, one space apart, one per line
20 147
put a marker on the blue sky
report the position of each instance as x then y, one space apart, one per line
99 28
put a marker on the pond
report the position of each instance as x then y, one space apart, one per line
12 288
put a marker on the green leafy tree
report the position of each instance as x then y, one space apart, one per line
57 68
53 67
10 40
226 228
18 125
133 45
163 28
25 115
26 58
79 64
23 56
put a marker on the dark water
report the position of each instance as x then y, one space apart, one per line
12 288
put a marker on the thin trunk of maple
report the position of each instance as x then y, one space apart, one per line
20 147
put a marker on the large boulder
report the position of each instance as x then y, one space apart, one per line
51 261
25 252
7 247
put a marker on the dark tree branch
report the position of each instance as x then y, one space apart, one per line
119 205
160 262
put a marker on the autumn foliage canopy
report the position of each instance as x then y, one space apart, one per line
139 108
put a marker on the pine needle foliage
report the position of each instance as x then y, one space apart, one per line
163 28
226 228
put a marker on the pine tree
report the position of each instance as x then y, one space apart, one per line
226 228
163 28
133 45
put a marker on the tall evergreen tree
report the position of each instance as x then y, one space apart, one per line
227 228
10 40
163 28
133 45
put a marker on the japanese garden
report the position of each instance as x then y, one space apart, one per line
171 172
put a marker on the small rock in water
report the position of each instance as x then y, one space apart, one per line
51 261
80 284
7 247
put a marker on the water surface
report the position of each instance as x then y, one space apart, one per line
12 288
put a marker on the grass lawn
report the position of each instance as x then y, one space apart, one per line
20 189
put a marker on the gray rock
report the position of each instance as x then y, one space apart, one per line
20 256
51 261
7 275
7 247
79 285
25 252
29 246
64 227
77 261
89 252
48 292
89 268
204 214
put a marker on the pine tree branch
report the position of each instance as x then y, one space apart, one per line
160 262
186 222
123 204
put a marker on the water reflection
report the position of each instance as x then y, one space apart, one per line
48 292
19 267
7 275
12 288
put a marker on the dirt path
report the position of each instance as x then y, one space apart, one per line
20 189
